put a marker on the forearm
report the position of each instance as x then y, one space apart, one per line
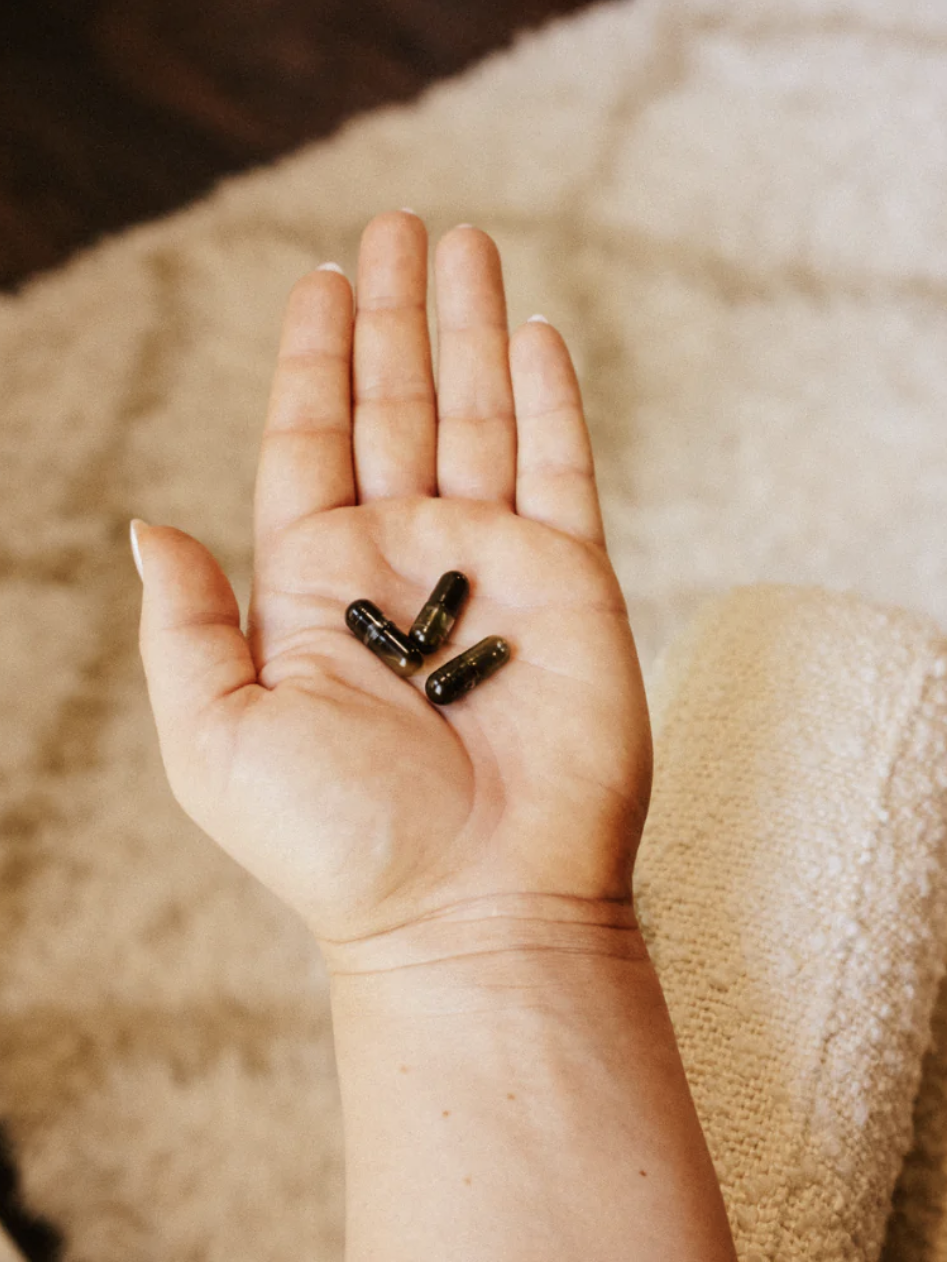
521 1103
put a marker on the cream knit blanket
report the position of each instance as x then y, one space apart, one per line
735 212
793 891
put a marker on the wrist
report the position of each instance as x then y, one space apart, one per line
515 1078
491 947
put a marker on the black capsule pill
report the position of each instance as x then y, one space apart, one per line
433 624
461 674
368 624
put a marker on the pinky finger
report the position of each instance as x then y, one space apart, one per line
555 476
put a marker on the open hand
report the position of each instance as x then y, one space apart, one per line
332 780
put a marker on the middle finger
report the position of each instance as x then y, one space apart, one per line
393 429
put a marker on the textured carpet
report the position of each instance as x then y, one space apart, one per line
735 214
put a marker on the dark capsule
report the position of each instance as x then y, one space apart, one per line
433 624
368 624
462 673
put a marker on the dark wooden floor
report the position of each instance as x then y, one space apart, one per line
115 111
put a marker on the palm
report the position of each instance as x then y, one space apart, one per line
429 796
336 782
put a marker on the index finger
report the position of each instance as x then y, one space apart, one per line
305 464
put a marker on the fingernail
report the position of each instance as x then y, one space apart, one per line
330 267
406 210
136 551
537 319
465 225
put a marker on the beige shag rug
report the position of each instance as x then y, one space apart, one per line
735 212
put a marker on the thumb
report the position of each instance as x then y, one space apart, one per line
193 651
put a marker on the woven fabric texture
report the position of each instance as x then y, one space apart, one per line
793 890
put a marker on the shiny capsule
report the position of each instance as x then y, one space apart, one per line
461 674
368 624
433 624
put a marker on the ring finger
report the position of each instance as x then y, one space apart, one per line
476 426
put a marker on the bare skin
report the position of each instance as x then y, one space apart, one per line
436 854
491 474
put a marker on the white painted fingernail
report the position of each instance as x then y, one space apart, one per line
406 210
136 551
537 319
330 267
465 225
